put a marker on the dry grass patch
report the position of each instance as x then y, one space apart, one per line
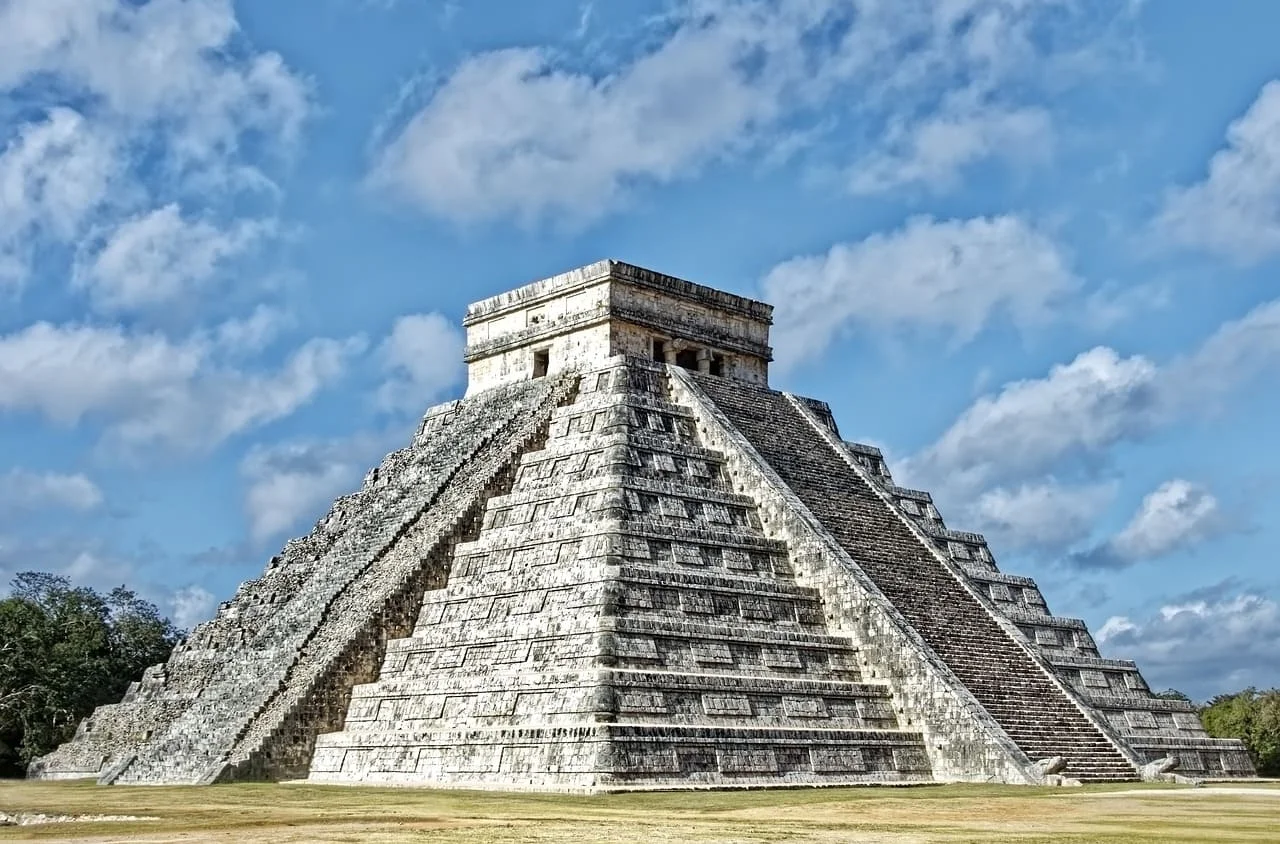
305 813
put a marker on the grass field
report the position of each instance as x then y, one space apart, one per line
302 813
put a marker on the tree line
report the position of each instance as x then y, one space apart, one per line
1252 716
65 650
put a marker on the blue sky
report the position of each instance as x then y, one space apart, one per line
1027 248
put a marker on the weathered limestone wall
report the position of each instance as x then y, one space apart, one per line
315 695
566 352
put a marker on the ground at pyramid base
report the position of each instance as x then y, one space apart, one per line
622 561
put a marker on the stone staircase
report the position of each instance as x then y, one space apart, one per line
998 670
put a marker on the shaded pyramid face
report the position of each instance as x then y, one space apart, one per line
621 621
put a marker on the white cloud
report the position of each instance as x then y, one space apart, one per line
253 333
23 490
1044 515
169 61
950 276
1113 304
151 390
165 93
1202 646
934 151
156 257
510 135
1236 353
1081 407
1235 210
191 605
53 175
86 563
1059 423
1176 515
523 133
423 356
292 481
92 569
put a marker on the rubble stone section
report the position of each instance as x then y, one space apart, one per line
245 693
621 622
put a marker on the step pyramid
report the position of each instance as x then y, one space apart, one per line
621 561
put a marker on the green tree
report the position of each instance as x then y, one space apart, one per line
1254 718
63 651
1171 694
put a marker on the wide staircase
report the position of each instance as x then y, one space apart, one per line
999 672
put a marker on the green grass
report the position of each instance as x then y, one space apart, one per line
955 813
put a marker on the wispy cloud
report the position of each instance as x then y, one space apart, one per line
422 357
948 277
291 481
23 491
1235 210
1175 516
1200 645
1068 422
153 391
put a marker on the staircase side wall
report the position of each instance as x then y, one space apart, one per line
113 734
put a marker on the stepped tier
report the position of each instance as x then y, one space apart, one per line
1115 689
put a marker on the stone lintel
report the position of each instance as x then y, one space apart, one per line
572 281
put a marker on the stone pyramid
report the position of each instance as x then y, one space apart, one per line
621 562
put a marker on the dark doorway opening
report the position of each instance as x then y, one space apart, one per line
688 358
660 351
717 365
541 362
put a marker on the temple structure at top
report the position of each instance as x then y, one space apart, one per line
582 317
623 561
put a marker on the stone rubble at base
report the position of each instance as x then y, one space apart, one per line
620 562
